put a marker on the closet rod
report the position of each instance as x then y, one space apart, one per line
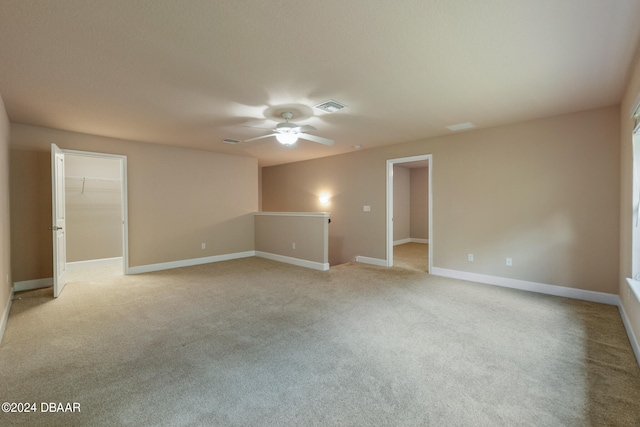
91 178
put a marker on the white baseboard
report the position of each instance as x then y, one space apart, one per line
541 288
295 261
373 261
5 316
632 337
28 285
401 242
93 263
410 240
188 262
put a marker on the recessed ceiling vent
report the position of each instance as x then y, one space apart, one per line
230 141
461 126
330 106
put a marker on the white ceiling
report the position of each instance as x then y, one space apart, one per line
191 73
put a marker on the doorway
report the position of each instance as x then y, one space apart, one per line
409 230
96 216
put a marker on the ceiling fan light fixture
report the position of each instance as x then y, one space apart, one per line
287 138
287 133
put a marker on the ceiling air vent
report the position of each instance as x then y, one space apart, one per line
461 126
230 141
330 106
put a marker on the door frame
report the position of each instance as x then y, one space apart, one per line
59 226
123 195
390 164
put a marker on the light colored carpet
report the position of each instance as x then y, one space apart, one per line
253 342
412 256
88 274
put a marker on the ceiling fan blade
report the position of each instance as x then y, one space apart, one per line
314 138
301 129
259 137
258 127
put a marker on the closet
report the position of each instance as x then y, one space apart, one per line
93 204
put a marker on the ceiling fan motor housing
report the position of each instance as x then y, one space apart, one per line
286 127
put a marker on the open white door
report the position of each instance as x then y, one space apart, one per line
59 225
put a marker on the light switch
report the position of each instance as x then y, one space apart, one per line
366 208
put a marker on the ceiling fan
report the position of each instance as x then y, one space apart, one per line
288 133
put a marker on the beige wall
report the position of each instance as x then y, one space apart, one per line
295 187
5 245
177 198
275 234
31 248
629 301
544 192
419 203
93 208
401 203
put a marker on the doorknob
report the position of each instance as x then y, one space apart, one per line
55 228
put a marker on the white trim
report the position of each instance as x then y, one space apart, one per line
635 287
410 240
373 261
295 261
125 216
423 241
75 265
401 242
139 269
635 106
389 210
632 337
312 214
541 288
5 316
28 285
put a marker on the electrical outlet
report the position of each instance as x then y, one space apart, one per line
366 208
470 257
509 262
293 246
204 246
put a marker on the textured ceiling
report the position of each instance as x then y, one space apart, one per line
191 73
